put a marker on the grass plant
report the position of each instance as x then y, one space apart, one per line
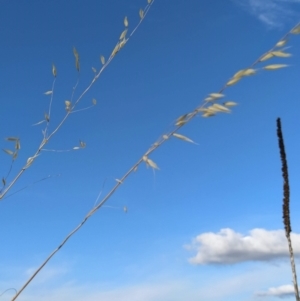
213 104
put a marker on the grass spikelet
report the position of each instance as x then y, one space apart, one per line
286 205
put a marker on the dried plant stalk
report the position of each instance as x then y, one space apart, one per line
286 205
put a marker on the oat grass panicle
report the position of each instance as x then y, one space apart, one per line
286 204
213 104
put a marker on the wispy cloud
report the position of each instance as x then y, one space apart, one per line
222 286
47 274
228 246
271 12
283 291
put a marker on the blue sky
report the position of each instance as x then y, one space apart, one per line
205 226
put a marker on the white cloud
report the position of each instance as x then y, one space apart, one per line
283 291
271 12
228 246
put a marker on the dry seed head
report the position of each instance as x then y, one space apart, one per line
245 72
208 114
15 155
123 42
47 117
281 54
229 104
296 30
116 50
220 108
17 145
141 13
68 104
275 66
76 59
281 43
233 81
184 138
216 95
54 72
8 151
152 164
266 56
126 22
12 139
123 34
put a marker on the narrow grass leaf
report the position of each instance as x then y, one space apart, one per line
39 122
